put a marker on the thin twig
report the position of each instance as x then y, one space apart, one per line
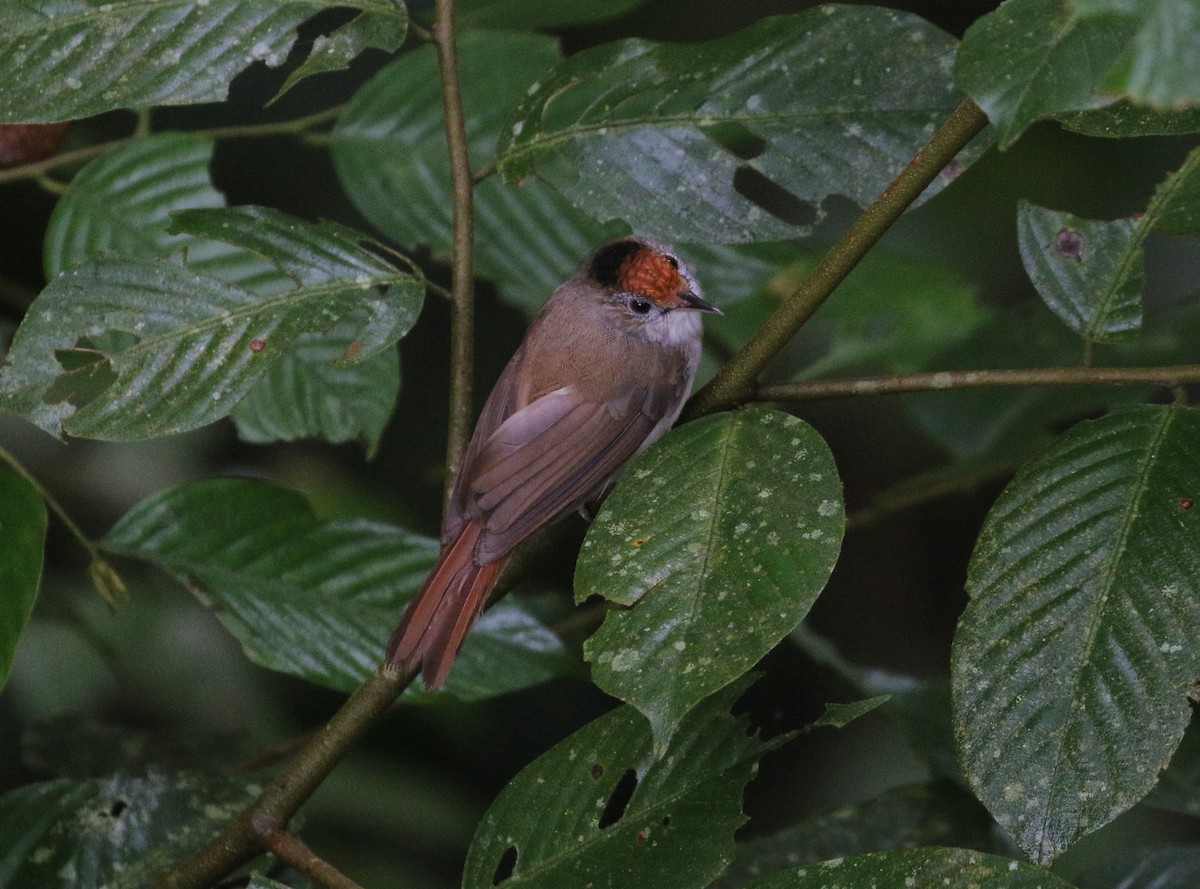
291 849
735 381
462 318
949 380
295 126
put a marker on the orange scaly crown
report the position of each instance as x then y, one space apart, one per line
649 273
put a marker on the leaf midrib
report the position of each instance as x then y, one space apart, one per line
262 305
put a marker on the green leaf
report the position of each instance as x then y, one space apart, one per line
1032 59
600 808
66 59
258 881
117 832
312 392
841 715
317 599
1089 273
382 24
22 540
532 15
124 349
903 818
1124 118
1163 867
916 869
1086 570
1158 65
121 203
732 521
391 158
1175 208
666 137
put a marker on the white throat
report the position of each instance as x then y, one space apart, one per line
674 328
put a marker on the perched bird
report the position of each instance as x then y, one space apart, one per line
603 371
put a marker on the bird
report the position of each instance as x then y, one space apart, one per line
603 371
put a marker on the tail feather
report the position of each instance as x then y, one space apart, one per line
437 621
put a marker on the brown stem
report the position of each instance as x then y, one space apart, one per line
735 381
462 317
943 380
290 848
295 126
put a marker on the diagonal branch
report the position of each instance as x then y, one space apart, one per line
736 380
258 826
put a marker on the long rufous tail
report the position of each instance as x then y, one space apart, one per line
437 621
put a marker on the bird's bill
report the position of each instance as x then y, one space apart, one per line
691 301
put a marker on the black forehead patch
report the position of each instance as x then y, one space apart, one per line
606 262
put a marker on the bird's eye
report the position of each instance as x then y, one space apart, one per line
638 305
671 261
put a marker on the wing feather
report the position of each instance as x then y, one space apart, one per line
537 468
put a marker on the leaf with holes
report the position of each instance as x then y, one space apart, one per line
720 536
600 808
22 541
317 599
1089 273
66 59
118 832
389 155
694 141
128 348
1087 570
1158 65
915 869
1032 59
